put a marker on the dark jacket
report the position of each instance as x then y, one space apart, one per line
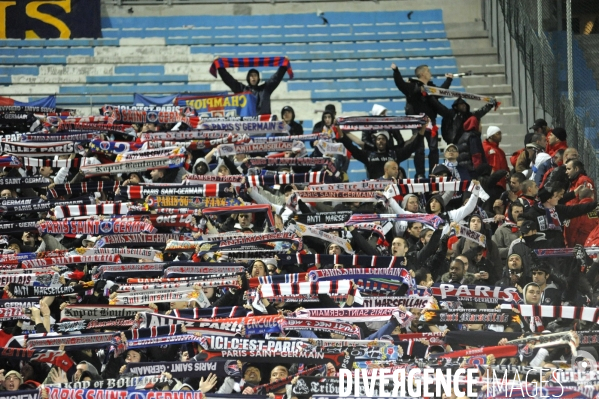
295 129
375 161
550 221
262 92
416 103
470 147
452 125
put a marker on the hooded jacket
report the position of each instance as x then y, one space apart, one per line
295 129
452 126
470 146
261 91
197 162
416 103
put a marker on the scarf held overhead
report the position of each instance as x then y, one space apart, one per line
251 62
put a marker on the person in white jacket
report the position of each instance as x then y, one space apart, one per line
436 206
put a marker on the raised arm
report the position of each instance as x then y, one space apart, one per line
271 84
234 85
399 82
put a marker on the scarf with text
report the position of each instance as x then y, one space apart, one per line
134 240
146 382
125 269
468 316
349 315
181 221
440 92
63 136
342 196
335 327
184 369
100 312
168 201
61 190
93 340
303 137
40 205
218 281
136 165
328 148
248 62
23 291
137 253
397 274
275 146
249 128
394 301
474 293
323 217
151 153
69 260
190 271
233 242
206 190
305 230
48 278
94 227
24 182
217 211
38 149
366 185
200 179
265 162
499 352
80 325
424 218
61 393
222 326
183 294
471 235
18 226
260 356
116 208
374 123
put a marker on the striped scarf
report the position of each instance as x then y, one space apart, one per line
265 162
440 92
424 218
64 136
342 196
468 316
116 208
199 179
349 315
233 242
161 295
254 282
297 324
61 190
287 178
147 154
367 185
395 190
91 340
323 217
100 324
55 163
217 211
565 312
137 253
190 271
303 137
211 313
398 274
183 135
125 269
374 123
57 358
341 287
10 161
38 205
346 260
248 128
248 62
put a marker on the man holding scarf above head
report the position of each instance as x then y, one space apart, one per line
261 91
417 102
375 160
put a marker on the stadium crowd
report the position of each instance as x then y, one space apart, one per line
155 256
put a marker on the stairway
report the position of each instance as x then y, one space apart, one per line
473 52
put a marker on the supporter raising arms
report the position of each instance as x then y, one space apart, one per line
261 91
375 160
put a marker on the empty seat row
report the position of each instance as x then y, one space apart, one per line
128 89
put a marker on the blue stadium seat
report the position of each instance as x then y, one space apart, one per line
45 51
20 70
137 79
128 89
139 69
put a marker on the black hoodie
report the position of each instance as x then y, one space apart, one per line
452 125
295 129
261 91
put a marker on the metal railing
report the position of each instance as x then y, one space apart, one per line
541 66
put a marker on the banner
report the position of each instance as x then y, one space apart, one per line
51 19
64 393
140 99
47 104
240 104
39 149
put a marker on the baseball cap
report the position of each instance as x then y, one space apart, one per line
538 124
452 145
527 227
15 373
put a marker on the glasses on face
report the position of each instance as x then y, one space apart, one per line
515 271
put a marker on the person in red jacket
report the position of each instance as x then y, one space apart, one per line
495 155
578 229
578 177
556 140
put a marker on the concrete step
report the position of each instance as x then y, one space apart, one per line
504 119
473 51
467 43
498 79
471 61
466 34
484 70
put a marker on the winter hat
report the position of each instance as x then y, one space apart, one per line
492 130
538 124
247 78
15 373
560 133
377 110
527 227
331 108
471 124
405 200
